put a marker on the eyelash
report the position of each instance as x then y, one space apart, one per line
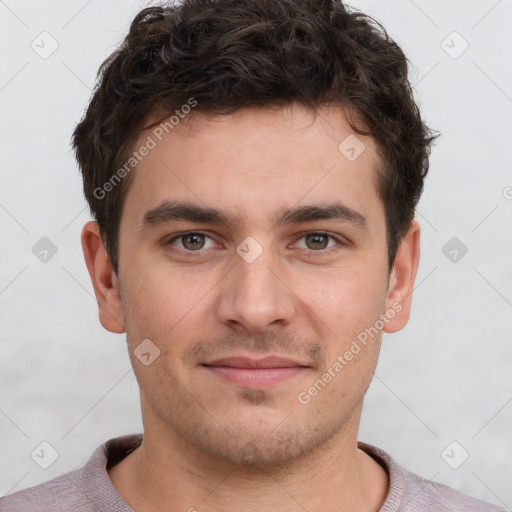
200 252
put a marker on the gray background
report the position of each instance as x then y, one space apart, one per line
446 377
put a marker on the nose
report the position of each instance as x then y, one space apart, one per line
255 297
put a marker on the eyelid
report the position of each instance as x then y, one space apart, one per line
177 236
338 238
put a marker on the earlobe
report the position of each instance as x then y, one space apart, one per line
401 279
104 280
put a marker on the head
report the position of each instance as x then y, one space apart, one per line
240 118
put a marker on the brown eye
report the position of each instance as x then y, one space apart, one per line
320 243
191 242
317 241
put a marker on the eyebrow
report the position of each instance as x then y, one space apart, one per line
170 211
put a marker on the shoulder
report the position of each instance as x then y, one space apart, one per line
83 490
58 495
409 492
423 494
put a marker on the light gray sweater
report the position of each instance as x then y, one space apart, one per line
89 489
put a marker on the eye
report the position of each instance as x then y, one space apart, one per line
193 241
319 241
196 242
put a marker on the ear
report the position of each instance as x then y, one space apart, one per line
401 280
104 280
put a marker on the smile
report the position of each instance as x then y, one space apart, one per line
255 373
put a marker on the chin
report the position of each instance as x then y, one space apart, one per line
260 437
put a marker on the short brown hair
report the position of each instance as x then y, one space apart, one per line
229 54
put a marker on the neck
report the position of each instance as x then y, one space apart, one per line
164 473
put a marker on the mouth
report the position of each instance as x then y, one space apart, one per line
255 373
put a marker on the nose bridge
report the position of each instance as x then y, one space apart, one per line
253 295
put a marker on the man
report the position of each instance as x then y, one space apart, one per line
253 168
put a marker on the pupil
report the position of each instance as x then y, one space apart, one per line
194 242
321 246
196 239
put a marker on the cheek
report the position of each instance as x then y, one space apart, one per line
159 299
348 301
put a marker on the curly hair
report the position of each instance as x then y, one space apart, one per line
229 54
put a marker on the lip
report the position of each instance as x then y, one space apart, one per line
247 362
255 373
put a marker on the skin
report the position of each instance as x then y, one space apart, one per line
206 439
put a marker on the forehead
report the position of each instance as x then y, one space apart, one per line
256 163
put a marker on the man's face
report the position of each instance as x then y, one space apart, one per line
256 287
